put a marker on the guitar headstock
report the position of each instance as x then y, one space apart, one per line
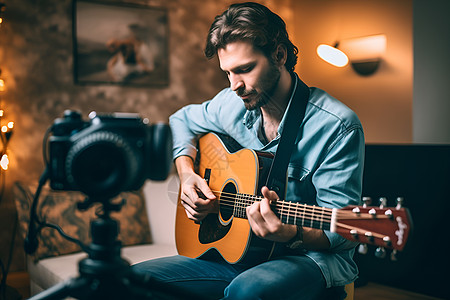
386 227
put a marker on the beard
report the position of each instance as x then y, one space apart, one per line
266 86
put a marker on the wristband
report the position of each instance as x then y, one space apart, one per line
297 241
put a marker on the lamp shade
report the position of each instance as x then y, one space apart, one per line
364 53
332 55
363 49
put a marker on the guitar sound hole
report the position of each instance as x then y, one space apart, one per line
213 228
227 201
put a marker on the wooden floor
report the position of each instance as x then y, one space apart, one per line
373 291
19 283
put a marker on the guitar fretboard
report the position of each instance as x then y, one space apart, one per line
288 212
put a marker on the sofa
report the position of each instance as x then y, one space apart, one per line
57 265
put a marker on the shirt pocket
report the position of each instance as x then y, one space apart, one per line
300 188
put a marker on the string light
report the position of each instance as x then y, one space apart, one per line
6 129
2 9
4 162
6 132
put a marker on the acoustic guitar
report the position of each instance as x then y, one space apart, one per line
236 179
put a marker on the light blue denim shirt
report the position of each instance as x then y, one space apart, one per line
325 168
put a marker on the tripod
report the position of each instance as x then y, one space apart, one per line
104 274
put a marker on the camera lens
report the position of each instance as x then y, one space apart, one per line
102 164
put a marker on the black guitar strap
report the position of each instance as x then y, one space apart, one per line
276 179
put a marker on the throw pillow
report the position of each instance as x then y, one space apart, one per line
60 208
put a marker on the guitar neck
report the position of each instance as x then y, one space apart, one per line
289 212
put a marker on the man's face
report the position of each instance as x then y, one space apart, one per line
252 75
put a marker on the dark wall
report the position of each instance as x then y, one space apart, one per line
420 174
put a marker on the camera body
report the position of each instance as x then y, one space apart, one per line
108 154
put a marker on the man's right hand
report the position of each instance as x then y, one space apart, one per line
196 197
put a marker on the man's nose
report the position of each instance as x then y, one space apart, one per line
236 82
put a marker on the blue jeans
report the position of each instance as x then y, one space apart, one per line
284 277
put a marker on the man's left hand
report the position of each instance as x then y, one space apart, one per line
265 223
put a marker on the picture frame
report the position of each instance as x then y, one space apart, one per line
120 43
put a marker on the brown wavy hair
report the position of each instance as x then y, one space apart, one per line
254 23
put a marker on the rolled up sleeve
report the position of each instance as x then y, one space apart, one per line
193 120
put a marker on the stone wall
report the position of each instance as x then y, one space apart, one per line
36 58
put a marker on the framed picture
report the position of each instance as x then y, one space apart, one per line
119 43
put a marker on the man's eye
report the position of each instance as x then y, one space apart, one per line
246 70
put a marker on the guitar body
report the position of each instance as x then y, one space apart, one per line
227 173
236 179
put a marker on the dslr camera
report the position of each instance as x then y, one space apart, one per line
108 154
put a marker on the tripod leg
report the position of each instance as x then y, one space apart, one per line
63 289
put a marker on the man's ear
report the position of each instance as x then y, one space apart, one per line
280 55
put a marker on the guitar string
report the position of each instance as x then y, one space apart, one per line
287 205
230 197
301 211
312 213
230 201
233 196
359 230
326 220
319 223
340 212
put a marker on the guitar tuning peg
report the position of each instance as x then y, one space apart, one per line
369 236
387 241
400 201
383 202
380 252
389 214
362 249
394 255
367 201
356 210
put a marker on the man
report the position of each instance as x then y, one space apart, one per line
325 168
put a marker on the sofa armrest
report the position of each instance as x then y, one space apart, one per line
161 202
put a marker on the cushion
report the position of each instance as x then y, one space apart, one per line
60 208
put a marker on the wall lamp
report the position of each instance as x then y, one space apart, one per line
364 53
